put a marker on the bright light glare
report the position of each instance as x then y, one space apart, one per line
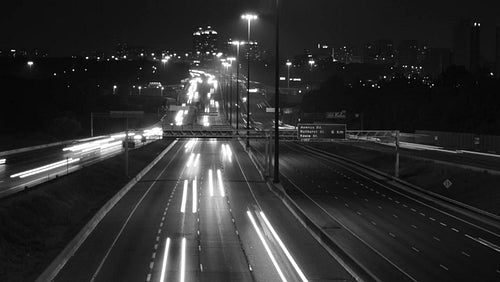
221 184
184 196
2 161
268 250
283 247
183 260
210 183
164 263
195 196
44 168
190 160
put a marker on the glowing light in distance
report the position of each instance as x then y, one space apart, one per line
183 260
164 263
184 196
196 160
87 145
44 168
210 183
118 136
195 196
190 160
283 247
268 250
2 161
221 184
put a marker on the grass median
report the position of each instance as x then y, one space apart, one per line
36 225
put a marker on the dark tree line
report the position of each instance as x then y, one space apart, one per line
458 102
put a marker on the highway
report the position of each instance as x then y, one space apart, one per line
202 213
395 235
28 169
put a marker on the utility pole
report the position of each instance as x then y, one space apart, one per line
277 100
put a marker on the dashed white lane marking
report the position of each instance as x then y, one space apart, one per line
414 226
498 271
366 200
336 198
397 202
436 238
373 222
415 249
432 218
149 277
379 207
395 216
392 235
346 204
359 213
201 267
390 199
405 206
422 214
151 265
465 254
443 224
443 267
454 229
413 210
154 255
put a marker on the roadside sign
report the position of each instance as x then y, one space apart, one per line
126 114
270 110
176 108
321 132
338 115
447 183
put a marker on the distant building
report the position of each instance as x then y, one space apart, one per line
205 42
497 52
126 52
407 53
437 61
466 45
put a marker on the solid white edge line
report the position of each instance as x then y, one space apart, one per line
165 257
268 250
283 247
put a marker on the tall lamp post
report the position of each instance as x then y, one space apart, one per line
288 65
276 178
248 18
231 59
237 44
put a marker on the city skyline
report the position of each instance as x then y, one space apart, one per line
160 25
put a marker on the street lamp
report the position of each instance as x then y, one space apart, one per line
248 18
311 63
114 89
30 64
231 59
140 88
288 64
237 44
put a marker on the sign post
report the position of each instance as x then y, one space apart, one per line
310 132
126 115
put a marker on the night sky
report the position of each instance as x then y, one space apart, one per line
65 27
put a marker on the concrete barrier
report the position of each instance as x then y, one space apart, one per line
58 263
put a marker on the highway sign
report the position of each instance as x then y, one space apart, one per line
175 108
270 110
125 114
321 132
447 183
341 114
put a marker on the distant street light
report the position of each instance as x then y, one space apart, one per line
140 88
288 64
248 18
30 64
114 89
311 63
237 44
